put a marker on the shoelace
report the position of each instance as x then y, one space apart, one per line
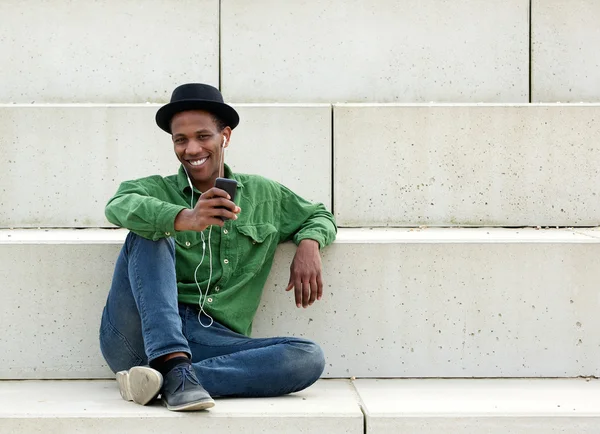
185 374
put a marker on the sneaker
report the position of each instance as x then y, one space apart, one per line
140 384
183 392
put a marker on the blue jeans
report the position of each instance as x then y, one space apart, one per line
143 321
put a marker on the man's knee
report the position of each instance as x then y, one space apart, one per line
306 359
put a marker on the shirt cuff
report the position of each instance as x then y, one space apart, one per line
310 236
165 219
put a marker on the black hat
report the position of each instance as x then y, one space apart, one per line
196 96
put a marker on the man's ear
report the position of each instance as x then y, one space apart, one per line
226 133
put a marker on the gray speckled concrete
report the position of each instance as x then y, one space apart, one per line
397 303
95 407
61 164
565 63
106 51
467 165
496 406
383 51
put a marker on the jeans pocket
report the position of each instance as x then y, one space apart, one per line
117 350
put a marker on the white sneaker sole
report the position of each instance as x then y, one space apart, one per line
140 384
192 406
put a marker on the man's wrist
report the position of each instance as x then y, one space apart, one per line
183 220
309 243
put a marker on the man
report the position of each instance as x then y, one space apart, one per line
189 277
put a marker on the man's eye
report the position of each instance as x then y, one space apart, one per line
203 137
179 141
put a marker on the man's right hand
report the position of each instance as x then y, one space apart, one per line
207 211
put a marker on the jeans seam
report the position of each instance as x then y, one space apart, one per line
142 306
228 344
224 356
242 351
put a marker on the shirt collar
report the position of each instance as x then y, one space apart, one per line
182 180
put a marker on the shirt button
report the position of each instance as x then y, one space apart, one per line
168 234
253 242
226 261
187 243
210 300
225 231
217 289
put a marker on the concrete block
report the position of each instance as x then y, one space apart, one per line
477 406
61 163
106 51
384 51
449 303
288 143
467 165
96 407
397 303
565 36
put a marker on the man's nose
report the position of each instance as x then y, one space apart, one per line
194 147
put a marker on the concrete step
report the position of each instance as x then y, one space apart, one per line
456 52
94 407
397 303
564 40
89 149
568 406
467 165
447 165
452 52
438 406
105 52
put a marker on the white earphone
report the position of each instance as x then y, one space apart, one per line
203 297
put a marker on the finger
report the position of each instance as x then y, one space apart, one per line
319 286
298 291
313 290
214 221
290 284
219 202
220 212
215 192
305 292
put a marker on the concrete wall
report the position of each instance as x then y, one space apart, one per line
105 51
467 165
397 303
366 51
61 164
565 56
306 51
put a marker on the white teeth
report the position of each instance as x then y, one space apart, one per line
198 162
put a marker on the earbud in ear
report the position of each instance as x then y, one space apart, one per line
224 142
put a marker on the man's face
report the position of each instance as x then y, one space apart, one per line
197 142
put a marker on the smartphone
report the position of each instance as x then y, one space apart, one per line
230 186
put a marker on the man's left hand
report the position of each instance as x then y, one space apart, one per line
305 274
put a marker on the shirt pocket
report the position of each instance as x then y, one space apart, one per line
188 253
188 239
256 245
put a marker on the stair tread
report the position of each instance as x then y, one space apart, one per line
345 235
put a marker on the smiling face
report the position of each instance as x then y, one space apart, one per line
197 140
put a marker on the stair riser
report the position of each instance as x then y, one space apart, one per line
467 165
86 151
389 310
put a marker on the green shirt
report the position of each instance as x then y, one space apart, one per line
242 251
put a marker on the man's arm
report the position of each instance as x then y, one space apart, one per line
312 228
136 208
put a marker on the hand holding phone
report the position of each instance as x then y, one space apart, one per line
230 186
